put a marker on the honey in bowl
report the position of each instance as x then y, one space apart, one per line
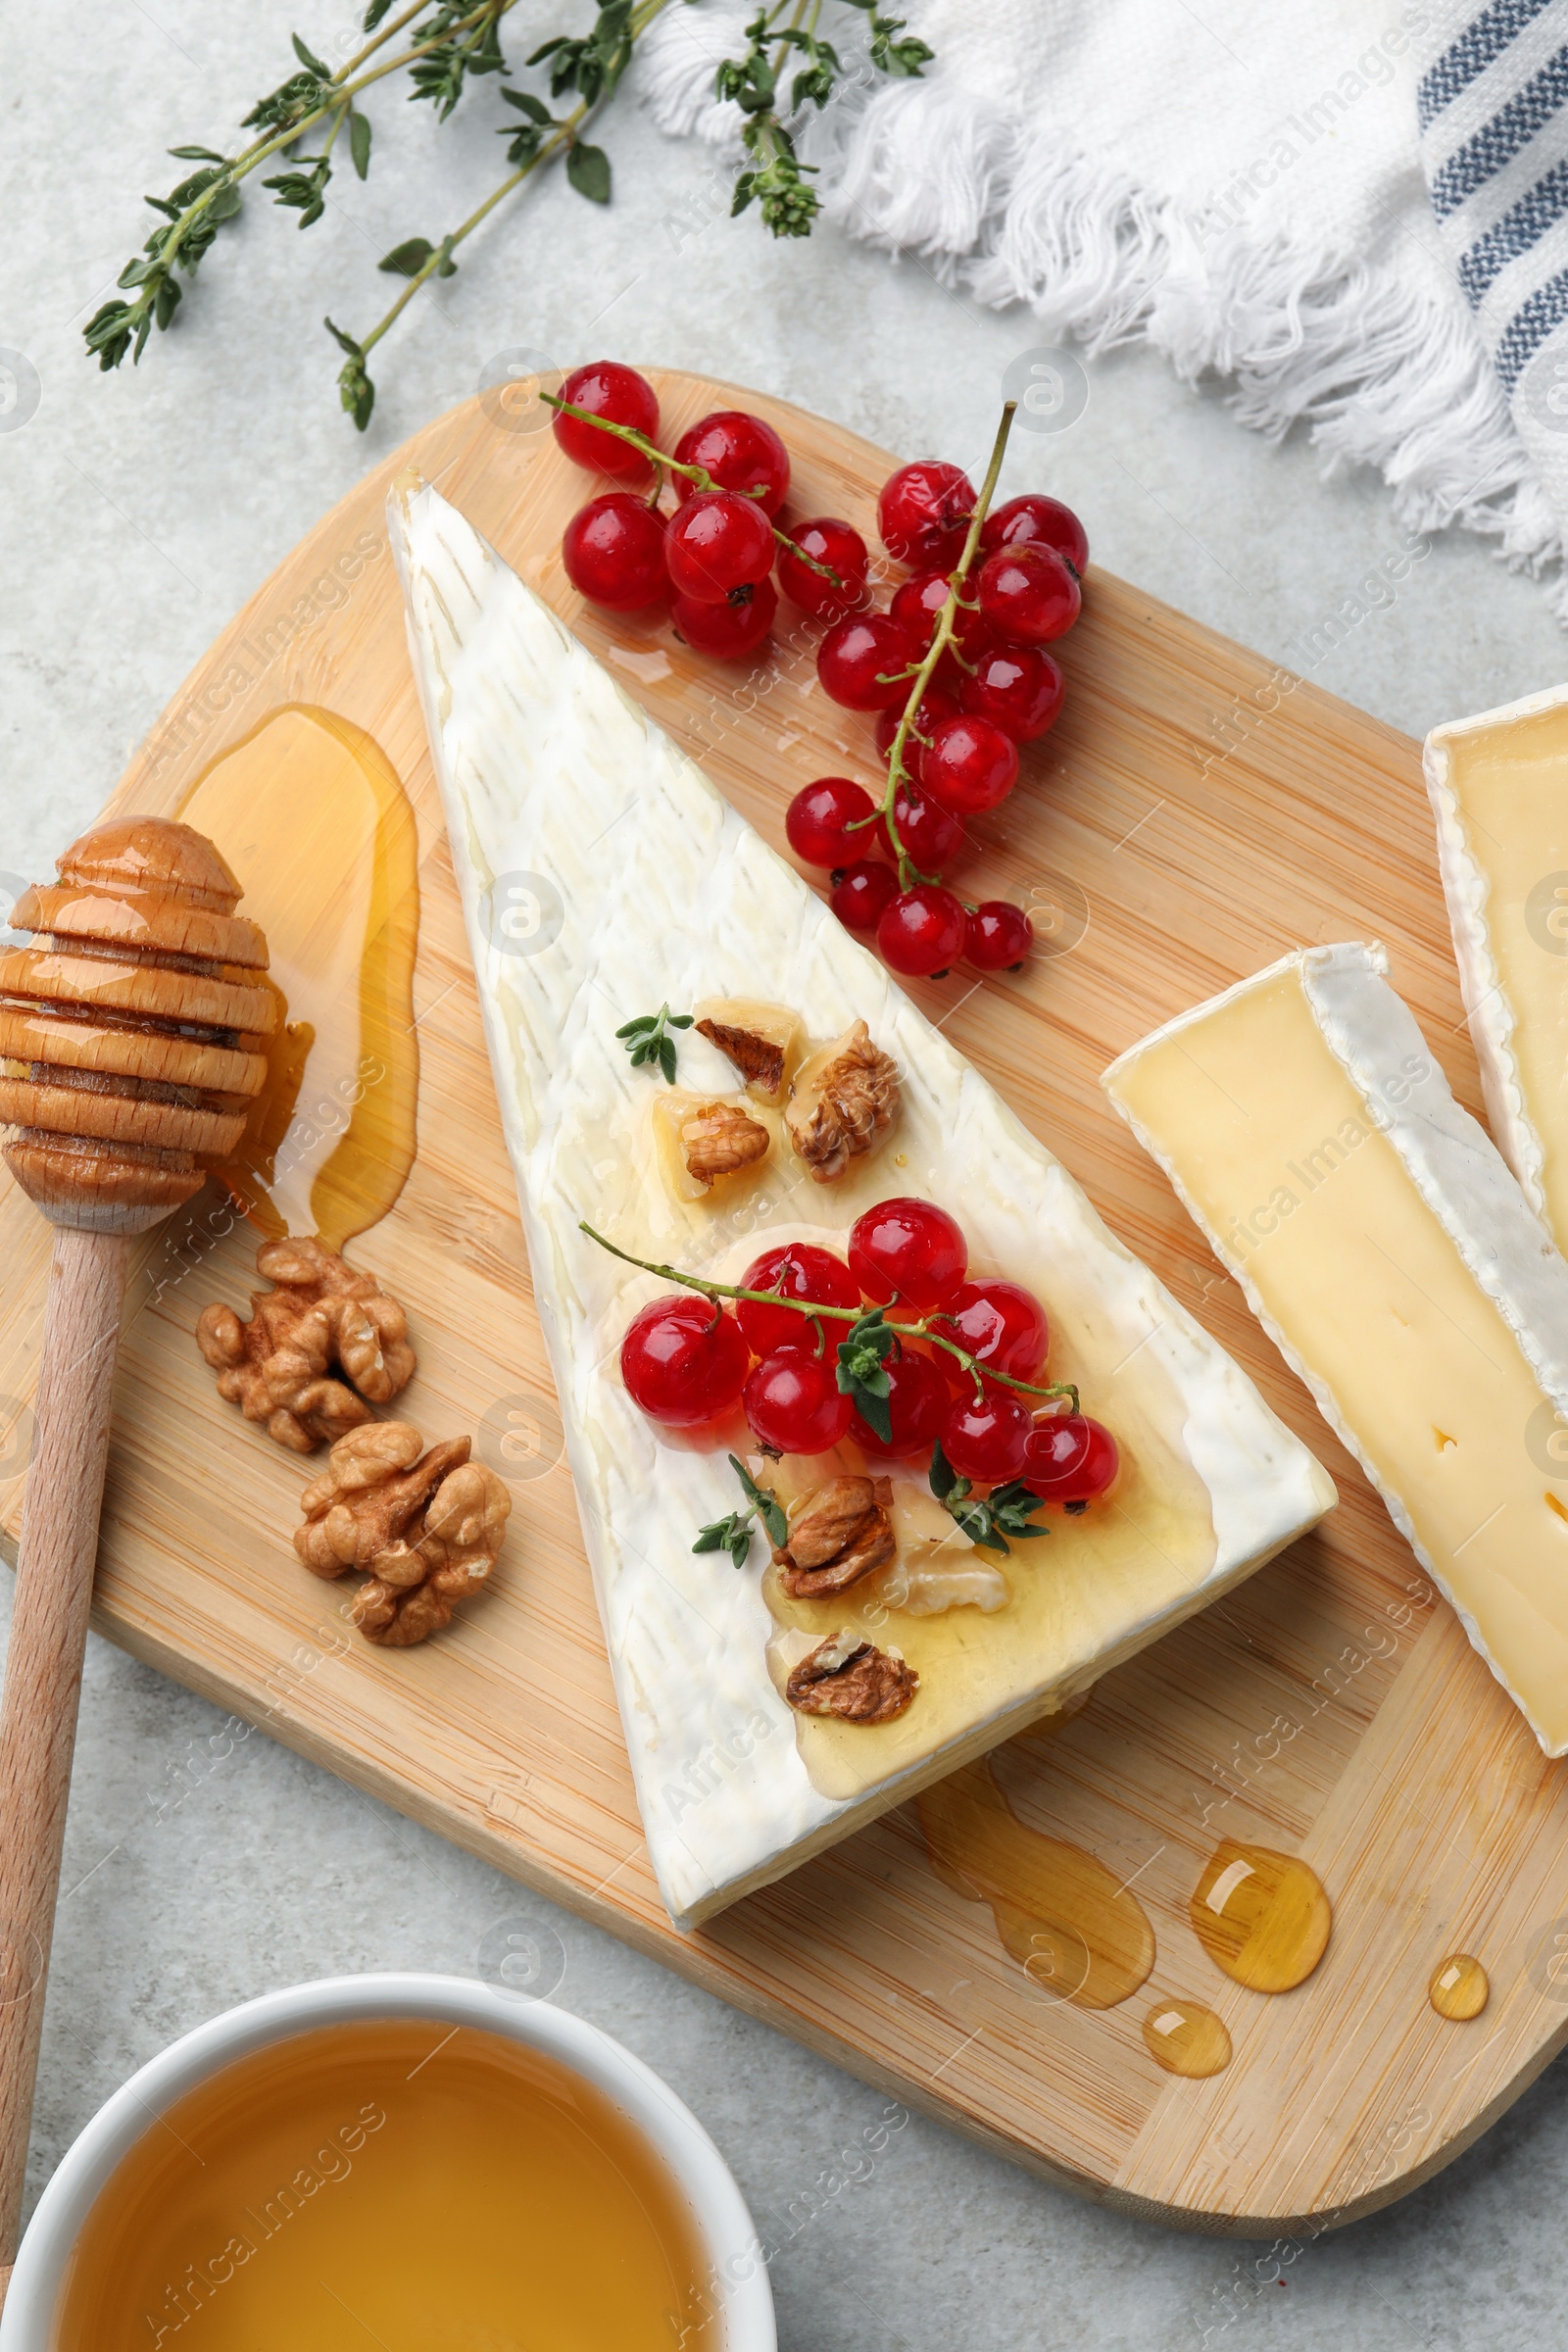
396 2181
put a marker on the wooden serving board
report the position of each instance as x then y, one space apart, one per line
1193 815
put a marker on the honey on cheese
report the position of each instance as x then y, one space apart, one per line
1499 791
1386 1249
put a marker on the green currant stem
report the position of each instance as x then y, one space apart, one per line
941 640
693 474
924 1330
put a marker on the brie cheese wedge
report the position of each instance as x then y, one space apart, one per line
1392 1259
603 875
1498 786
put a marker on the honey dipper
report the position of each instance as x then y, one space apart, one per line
130 1032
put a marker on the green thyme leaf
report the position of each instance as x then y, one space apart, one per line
408 258
360 142
588 169
526 103
1007 1511
647 1039
733 1532
311 65
863 1372
197 154
764 1501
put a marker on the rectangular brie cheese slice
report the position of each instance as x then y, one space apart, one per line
1499 791
601 875
1391 1256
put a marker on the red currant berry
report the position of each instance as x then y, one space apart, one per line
1029 594
614 552
918 606
1036 520
729 631
684 1361
1001 1324
623 397
970 764
1019 688
924 513
910 1249
917 1406
987 1437
818 821
741 452
861 893
934 707
930 834
921 933
717 543
842 549
797 1270
863 663
1001 936
793 1403
1071 1460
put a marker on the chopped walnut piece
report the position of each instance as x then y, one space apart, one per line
850 1677
839 1534
759 1059
424 1526
320 1317
842 1101
719 1138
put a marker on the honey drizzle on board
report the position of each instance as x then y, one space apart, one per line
1460 1987
1186 2038
1261 1916
1071 1924
500 2199
316 824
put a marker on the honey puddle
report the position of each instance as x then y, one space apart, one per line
1186 2038
320 833
1064 1917
1460 1987
1260 1916
389 2183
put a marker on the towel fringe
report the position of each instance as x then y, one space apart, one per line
1378 368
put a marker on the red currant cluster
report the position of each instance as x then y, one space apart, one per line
986 683
991 688
962 1374
713 556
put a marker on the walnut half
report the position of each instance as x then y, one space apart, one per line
427 1526
850 1677
320 1319
842 1101
718 1140
838 1535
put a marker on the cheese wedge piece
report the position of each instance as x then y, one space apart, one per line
1498 786
637 884
1391 1256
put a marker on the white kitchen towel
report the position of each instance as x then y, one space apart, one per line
1242 187
1494 143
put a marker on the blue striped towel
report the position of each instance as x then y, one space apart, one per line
1493 107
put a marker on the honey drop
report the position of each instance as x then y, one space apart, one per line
1260 1916
312 817
1460 1987
1068 1921
1186 2039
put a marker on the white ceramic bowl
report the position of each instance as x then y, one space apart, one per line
738 2275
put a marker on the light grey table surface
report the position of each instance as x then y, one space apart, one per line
139 512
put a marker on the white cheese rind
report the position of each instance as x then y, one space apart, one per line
661 891
1466 888
1456 1168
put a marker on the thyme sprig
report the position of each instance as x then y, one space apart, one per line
1007 1511
647 1039
775 178
733 1532
942 638
447 42
864 1351
663 462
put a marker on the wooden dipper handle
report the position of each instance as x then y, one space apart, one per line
132 1030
